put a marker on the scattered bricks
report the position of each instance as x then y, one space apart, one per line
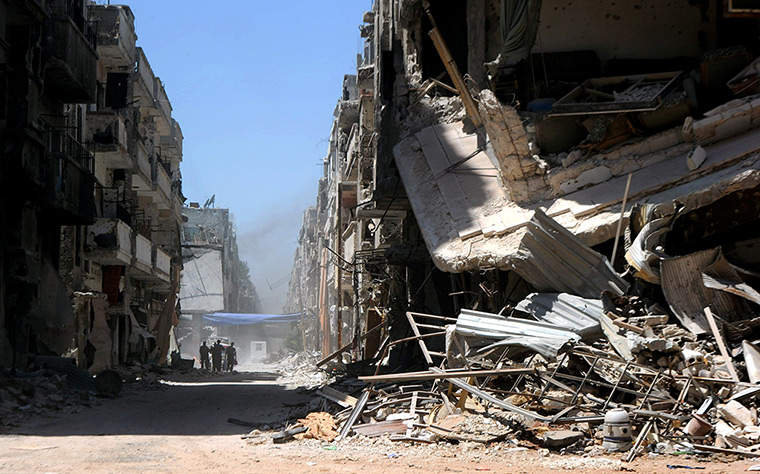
561 439
736 413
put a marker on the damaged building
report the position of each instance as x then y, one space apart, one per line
214 279
91 194
488 150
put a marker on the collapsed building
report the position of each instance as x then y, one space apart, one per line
486 150
91 194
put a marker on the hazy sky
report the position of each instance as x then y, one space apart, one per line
253 84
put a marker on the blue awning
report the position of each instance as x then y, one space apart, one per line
236 319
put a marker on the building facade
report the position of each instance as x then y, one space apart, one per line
467 122
214 279
91 200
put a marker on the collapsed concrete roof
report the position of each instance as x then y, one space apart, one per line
469 220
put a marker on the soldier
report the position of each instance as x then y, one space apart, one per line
205 363
216 356
231 355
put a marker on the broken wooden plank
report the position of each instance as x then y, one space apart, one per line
336 396
409 376
721 344
288 434
380 428
490 398
358 409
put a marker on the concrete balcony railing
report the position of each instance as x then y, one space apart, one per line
162 265
162 186
108 135
71 69
109 242
116 34
177 206
142 180
163 108
142 261
171 144
144 82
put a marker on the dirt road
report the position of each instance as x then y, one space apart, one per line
183 428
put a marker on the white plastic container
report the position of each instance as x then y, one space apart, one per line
617 431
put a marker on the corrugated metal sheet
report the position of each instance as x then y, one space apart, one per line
544 338
581 315
724 276
643 255
552 259
687 295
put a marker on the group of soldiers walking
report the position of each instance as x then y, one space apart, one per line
221 358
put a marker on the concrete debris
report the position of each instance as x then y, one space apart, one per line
627 388
300 370
502 232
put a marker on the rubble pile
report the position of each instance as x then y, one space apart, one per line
300 370
636 370
37 393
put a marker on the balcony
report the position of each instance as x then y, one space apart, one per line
109 139
116 34
142 263
163 108
71 69
177 205
162 184
162 264
109 242
171 144
142 181
144 83
68 197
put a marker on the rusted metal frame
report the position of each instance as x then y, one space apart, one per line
432 316
522 376
649 392
406 339
429 375
614 389
499 403
527 394
606 385
642 436
347 346
556 369
417 333
583 382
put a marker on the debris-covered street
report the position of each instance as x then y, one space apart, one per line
180 422
524 238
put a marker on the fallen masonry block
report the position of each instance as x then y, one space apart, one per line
561 439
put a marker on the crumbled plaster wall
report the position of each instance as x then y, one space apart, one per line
520 170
